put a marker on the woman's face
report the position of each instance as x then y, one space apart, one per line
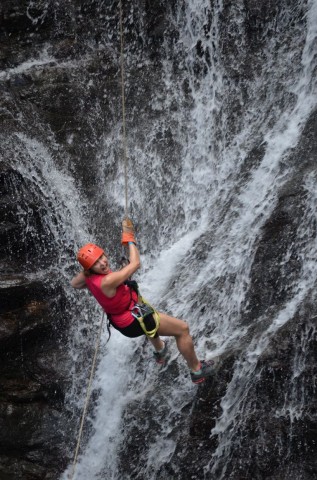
101 266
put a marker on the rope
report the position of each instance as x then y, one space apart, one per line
71 476
125 162
124 138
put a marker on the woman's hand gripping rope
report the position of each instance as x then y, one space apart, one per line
127 232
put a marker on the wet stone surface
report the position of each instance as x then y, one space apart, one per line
57 102
33 365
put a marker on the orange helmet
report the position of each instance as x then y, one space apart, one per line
89 254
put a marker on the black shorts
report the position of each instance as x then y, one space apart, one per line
134 329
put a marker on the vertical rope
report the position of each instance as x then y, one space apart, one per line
124 137
72 473
125 163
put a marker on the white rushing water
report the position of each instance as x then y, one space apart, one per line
225 208
65 223
58 190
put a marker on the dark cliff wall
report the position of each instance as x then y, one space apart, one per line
33 372
67 102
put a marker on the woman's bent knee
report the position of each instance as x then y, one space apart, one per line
184 329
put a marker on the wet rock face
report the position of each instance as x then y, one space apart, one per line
26 241
33 364
70 111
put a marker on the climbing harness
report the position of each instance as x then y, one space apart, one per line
146 315
142 311
148 318
72 473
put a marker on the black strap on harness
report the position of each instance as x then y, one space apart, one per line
132 284
108 328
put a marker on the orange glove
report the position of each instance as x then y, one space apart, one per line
127 232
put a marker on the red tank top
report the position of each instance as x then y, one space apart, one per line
118 307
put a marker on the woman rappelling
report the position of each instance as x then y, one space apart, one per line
127 311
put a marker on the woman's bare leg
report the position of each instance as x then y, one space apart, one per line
171 326
157 343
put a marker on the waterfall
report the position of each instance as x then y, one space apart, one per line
235 112
221 102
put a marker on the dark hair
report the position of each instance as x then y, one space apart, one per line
88 272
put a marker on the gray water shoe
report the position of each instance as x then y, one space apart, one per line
207 370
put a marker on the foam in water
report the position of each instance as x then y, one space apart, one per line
44 58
